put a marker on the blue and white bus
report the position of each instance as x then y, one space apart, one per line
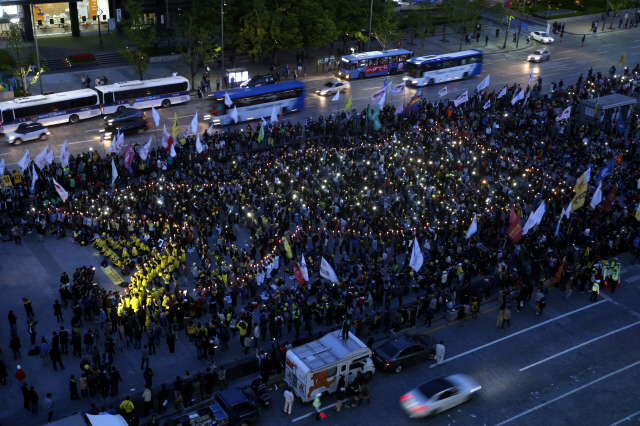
64 107
256 102
433 69
138 94
371 64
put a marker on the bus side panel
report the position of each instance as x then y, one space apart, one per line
477 69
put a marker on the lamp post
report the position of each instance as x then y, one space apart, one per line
222 38
99 25
370 19
35 39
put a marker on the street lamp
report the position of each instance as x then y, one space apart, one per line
370 19
35 39
99 25
222 37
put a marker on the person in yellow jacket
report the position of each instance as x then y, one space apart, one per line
127 407
191 331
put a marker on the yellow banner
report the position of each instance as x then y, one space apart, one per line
581 193
17 178
112 274
287 248
638 213
6 180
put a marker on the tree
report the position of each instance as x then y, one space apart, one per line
163 34
316 26
255 37
420 24
503 20
349 17
139 34
21 61
196 40
385 27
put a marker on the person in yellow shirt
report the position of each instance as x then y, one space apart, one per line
127 407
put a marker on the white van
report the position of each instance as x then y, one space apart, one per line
317 366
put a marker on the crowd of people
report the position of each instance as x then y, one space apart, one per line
255 215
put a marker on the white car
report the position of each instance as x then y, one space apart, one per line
27 132
539 55
438 395
332 86
542 37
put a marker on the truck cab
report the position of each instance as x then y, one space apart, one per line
231 407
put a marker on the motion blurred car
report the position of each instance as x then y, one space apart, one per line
124 114
539 55
404 351
438 395
332 86
542 37
259 80
27 132
137 125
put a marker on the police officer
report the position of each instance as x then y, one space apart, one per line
595 290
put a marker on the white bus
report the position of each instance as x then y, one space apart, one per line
143 94
256 102
64 107
433 69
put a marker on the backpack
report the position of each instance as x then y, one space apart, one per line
279 321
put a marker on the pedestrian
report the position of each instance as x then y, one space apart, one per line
528 40
16 231
288 399
28 307
217 84
127 407
15 346
48 404
147 398
83 82
3 373
32 331
33 400
340 396
25 396
145 358
73 388
365 393
12 323
316 404
595 291
540 307
582 42
56 357
148 377
222 377
115 380
440 352
20 375
506 317
154 421
88 82
57 311
346 326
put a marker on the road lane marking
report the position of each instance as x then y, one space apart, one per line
74 143
605 45
626 419
520 332
537 407
313 412
580 345
562 59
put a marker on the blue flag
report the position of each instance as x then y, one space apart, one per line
605 173
621 126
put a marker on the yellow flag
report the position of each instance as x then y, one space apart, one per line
174 130
581 190
622 59
638 213
287 248
348 105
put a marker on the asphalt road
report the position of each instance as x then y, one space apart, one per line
568 61
577 364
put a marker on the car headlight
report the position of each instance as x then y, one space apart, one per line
11 138
415 82
109 121
477 388
324 92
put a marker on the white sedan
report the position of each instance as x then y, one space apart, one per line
332 86
438 395
27 132
542 37
539 55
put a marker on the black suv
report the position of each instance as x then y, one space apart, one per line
137 125
259 80
124 114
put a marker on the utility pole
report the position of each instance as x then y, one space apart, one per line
99 30
35 39
370 19
222 37
521 6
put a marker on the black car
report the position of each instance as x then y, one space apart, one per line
259 80
137 125
124 114
404 351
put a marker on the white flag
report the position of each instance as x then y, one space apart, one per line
227 100
156 116
64 155
473 228
517 97
41 159
534 219
530 78
61 192
326 271
194 124
173 152
303 269
462 98
2 167
50 156
116 144
487 105
274 115
484 83
114 172
443 91
597 197
567 211
399 108
143 152
416 256
637 185
336 96
565 114
210 131
502 92
234 114
34 177
199 147
398 89
376 96
24 161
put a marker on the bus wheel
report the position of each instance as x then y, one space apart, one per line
465 76
166 103
393 71
361 75
121 108
74 119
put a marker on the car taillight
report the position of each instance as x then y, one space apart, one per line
144 113
147 124
387 363
214 111
420 408
405 397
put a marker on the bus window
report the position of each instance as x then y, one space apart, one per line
383 61
7 116
108 98
373 62
475 59
464 61
393 59
362 63
456 62
402 57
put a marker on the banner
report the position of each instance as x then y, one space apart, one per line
112 274
34 177
398 89
41 159
515 230
581 190
484 83
303 269
156 116
114 172
129 155
534 219
234 114
64 155
348 105
167 139
336 97
143 152
60 190
227 100
24 161
518 97
487 105
558 276
597 197
199 147
473 228
462 98
502 92
326 271
194 124
416 256
443 91
287 248
297 274
2 167
565 114
610 199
